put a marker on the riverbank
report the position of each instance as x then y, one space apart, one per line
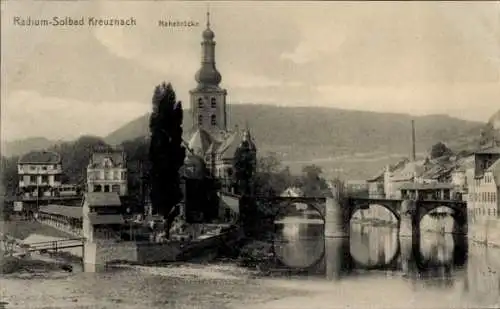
224 284
228 286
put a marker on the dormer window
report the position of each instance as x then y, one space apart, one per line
213 120
213 103
200 103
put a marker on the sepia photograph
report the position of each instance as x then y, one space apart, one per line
249 154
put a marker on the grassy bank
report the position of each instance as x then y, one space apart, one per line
10 265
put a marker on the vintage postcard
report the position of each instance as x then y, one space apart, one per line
261 154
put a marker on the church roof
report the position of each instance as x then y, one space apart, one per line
200 142
233 142
208 75
229 146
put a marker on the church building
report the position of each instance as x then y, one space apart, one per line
211 146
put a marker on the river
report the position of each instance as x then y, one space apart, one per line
372 268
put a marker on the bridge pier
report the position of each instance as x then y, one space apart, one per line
89 257
334 255
336 218
460 228
406 253
406 224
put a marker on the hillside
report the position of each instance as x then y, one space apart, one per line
304 133
19 147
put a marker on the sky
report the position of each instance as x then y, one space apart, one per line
406 57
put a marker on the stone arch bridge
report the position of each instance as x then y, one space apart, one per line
337 211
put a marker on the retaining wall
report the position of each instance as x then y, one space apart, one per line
97 255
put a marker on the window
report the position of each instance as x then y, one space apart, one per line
200 103
213 103
200 120
109 175
107 162
45 178
117 175
97 188
106 188
213 120
115 188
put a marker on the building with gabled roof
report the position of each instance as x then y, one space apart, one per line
483 184
40 174
102 215
107 172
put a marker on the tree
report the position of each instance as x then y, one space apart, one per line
166 153
312 183
136 151
439 150
244 165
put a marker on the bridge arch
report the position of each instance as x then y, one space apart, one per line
299 223
458 213
356 206
288 206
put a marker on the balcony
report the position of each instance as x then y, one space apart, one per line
39 171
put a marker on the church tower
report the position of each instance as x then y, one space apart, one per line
208 100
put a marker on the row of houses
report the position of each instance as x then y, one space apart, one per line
40 174
474 179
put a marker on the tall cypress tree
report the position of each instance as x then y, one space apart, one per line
166 152
244 165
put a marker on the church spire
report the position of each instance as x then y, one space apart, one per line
208 75
208 17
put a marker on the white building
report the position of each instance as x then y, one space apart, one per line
484 186
39 174
107 172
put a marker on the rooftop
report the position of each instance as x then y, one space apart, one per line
113 158
426 186
489 150
40 157
495 166
102 199
62 210
97 219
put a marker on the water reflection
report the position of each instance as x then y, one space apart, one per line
300 245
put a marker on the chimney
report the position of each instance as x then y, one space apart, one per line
413 152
